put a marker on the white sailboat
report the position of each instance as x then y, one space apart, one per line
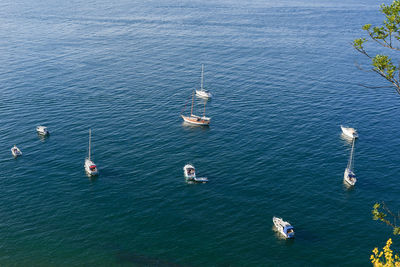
197 120
203 92
90 167
349 132
349 175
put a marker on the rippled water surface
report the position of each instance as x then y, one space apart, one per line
283 78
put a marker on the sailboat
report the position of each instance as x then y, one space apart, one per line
197 120
349 132
90 167
203 92
349 175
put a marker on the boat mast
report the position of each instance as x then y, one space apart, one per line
202 76
90 136
204 113
191 110
351 159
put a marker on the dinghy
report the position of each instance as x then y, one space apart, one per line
349 132
90 167
15 151
283 227
190 174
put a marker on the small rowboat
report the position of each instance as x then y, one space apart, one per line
15 151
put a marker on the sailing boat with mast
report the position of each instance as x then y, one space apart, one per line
194 119
90 167
349 175
203 92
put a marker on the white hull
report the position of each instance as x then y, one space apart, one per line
280 226
42 130
15 151
349 177
349 132
195 120
189 171
89 167
203 94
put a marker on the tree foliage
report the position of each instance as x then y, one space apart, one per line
387 36
382 213
385 258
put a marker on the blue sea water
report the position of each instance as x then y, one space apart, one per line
284 79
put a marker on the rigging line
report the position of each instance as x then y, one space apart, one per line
185 106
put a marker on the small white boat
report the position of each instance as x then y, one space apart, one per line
90 167
349 132
15 151
349 176
283 227
203 93
190 174
197 120
42 130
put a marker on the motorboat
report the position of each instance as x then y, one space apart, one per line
349 132
189 171
349 176
190 174
90 167
203 93
283 227
42 130
15 151
195 119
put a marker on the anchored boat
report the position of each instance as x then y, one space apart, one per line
197 120
90 167
203 92
349 175
349 132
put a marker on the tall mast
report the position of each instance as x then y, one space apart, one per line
202 70
350 164
90 136
204 113
191 110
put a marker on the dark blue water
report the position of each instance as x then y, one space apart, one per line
283 78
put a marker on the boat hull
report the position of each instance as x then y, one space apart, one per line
201 121
189 172
42 130
349 132
281 225
349 177
89 168
16 152
203 94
